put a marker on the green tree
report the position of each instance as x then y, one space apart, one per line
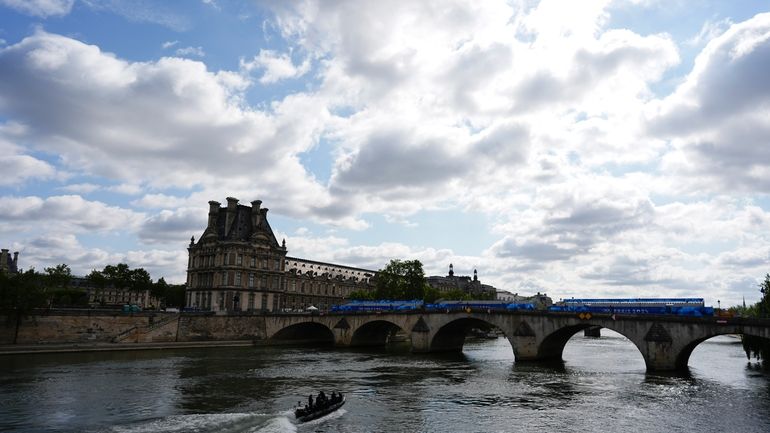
361 295
20 293
119 276
139 280
175 295
160 288
401 280
59 276
754 346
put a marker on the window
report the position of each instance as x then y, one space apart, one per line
237 278
253 262
239 260
251 301
251 280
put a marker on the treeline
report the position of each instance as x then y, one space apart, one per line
757 347
23 291
405 280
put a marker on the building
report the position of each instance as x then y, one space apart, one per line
8 264
471 286
113 296
238 265
540 300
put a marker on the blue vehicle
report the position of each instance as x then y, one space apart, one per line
686 307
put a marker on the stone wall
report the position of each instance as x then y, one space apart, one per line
93 326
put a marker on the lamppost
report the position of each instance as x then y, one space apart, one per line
719 304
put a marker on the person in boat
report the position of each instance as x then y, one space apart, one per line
321 400
310 402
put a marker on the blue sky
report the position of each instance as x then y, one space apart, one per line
598 148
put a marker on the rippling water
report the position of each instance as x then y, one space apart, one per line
602 386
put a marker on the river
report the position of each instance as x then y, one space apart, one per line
602 386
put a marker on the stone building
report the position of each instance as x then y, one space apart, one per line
110 296
238 265
8 264
471 286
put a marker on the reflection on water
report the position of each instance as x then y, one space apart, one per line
601 386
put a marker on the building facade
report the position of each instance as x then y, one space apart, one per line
238 265
8 264
110 296
471 286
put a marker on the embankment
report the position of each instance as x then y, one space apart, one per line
110 327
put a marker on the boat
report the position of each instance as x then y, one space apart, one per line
317 411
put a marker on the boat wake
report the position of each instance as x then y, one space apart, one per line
204 423
334 415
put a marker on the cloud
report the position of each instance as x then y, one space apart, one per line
276 66
169 44
40 8
172 226
142 11
717 120
16 169
80 188
69 213
191 51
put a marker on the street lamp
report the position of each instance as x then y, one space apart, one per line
719 304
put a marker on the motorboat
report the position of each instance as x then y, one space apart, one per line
305 414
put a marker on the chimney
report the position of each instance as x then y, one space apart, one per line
213 213
3 258
15 258
232 208
255 213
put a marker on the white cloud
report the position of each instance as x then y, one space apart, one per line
276 66
191 51
67 212
40 8
717 120
80 188
169 44
15 169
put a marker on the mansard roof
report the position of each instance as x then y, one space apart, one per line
239 223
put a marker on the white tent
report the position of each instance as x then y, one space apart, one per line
312 308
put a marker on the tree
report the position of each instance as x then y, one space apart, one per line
160 288
175 295
118 275
139 280
20 293
754 346
59 276
401 280
361 295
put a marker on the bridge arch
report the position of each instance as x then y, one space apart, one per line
683 357
552 346
378 332
450 336
304 332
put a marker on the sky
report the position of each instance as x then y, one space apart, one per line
606 148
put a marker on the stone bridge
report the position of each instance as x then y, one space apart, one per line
665 342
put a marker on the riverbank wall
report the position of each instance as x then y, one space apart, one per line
113 326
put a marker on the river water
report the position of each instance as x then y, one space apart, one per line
602 386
